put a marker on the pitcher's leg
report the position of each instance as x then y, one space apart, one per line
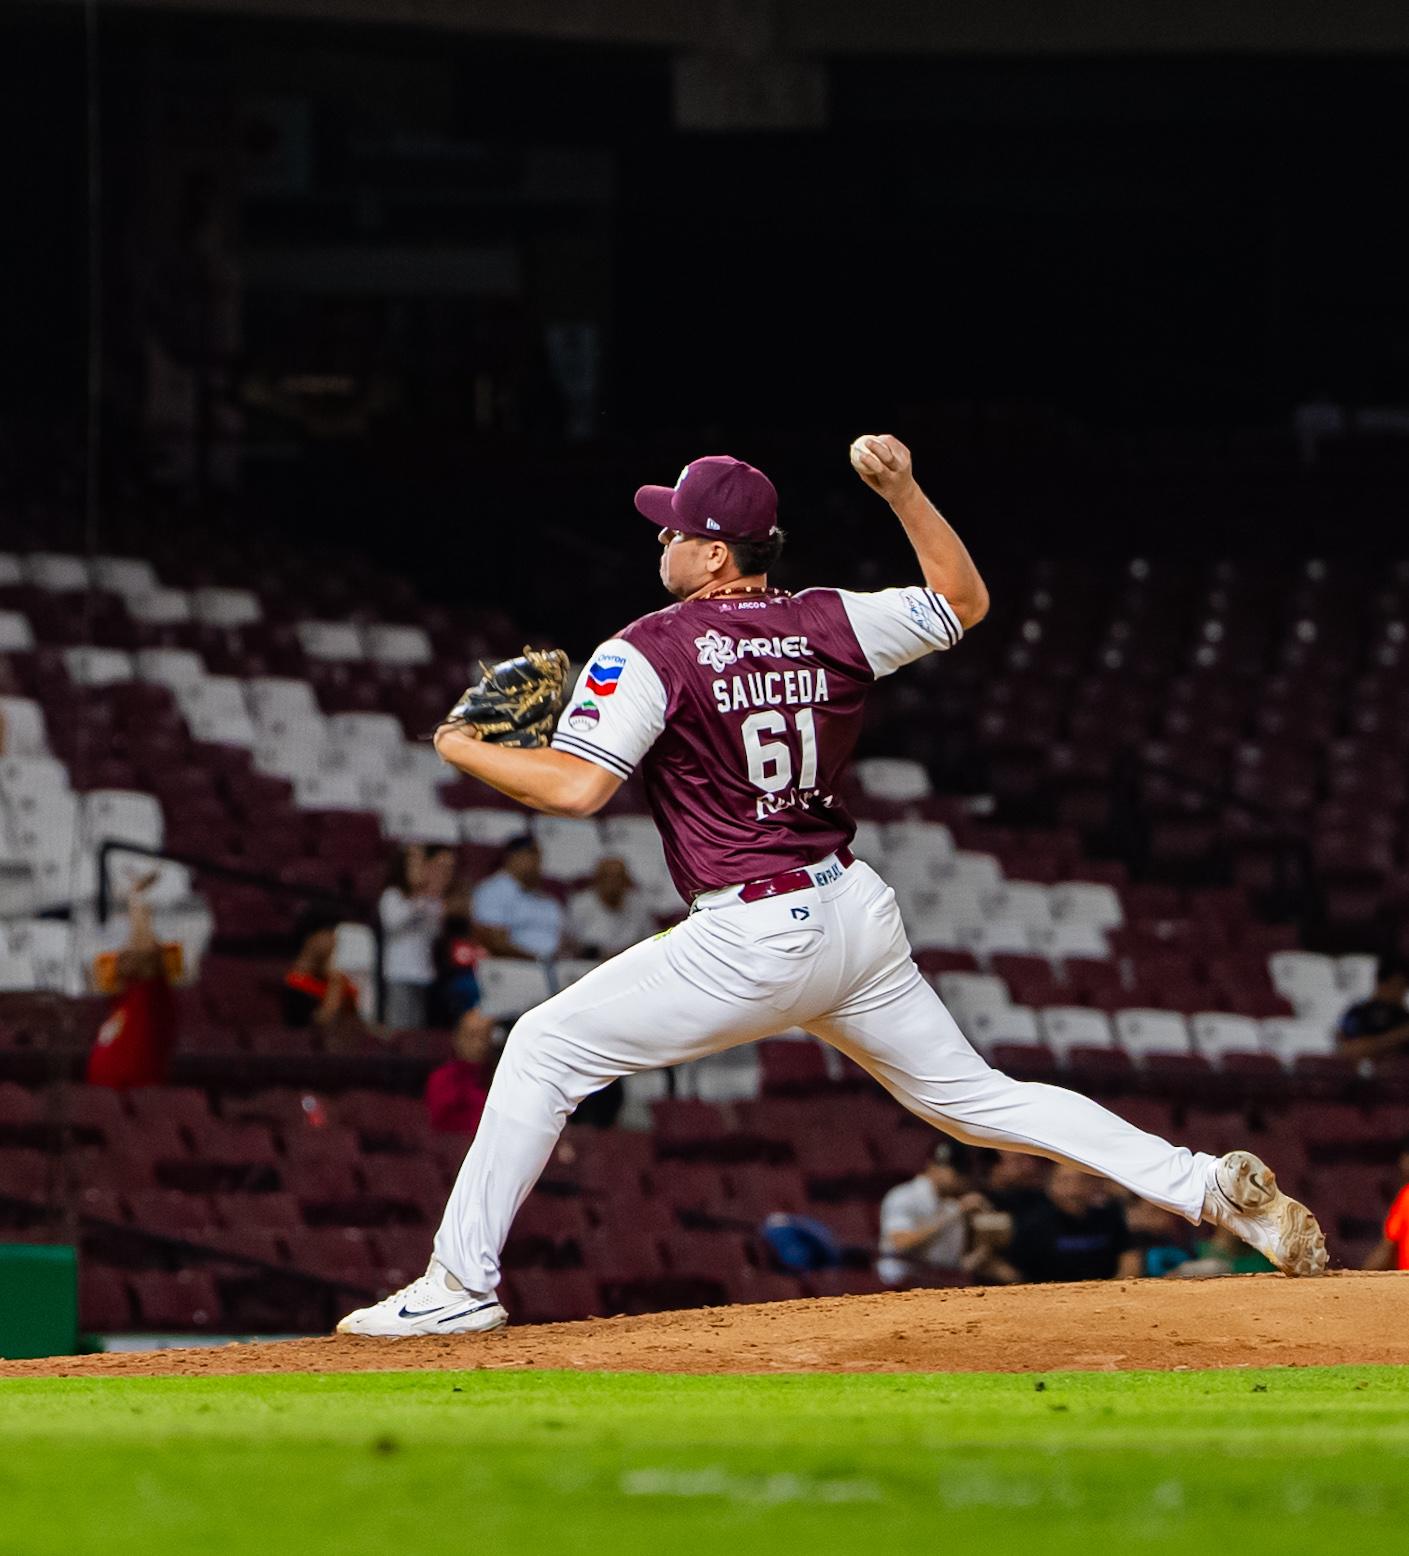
913 1046
632 1013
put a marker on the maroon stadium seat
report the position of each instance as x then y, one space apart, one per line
188 1300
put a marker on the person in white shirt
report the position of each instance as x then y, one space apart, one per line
610 914
925 1222
411 910
512 914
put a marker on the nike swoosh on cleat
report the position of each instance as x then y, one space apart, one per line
465 1313
425 1312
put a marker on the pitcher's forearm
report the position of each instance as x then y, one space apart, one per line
944 559
537 776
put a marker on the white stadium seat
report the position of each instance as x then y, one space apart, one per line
1064 938
23 722
1065 1027
568 969
226 607
490 826
997 936
339 641
215 709
127 575
281 699
173 667
56 570
1356 976
380 730
1308 980
1009 1024
893 778
1024 901
967 995
1087 902
928 926
870 842
160 607
1144 1032
979 873
98 666
328 791
426 823
11 569
16 634
17 971
1290 1040
509 986
121 815
930 840
392 645
1216 1034
570 848
26 779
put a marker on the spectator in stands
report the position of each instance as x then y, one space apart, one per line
457 954
512 914
927 1224
315 993
1380 1024
135 1042
1076 1231
456 1091
1015 1182
411 910
1159 1237
609 915
1222 1253
1393 1251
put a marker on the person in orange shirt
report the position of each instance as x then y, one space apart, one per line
1393 1252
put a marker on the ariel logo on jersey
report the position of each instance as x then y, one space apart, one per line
584 716
716 650
603 674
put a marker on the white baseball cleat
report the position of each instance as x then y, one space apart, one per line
435 1303
1242 1194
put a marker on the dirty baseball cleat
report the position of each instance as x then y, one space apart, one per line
1242 1195
435 1303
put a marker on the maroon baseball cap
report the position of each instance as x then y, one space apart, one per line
717 497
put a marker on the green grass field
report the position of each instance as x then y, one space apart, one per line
590 1462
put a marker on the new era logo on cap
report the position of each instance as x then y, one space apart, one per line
715 495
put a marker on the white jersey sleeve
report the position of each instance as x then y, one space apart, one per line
617 709
897 626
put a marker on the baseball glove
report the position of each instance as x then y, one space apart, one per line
516 702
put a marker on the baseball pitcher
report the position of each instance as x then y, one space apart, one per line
741 704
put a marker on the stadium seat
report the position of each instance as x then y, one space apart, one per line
225 607
1147 1033
1066 1027
508 988
1216 1035
16 634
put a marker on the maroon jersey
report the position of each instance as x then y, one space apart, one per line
742 713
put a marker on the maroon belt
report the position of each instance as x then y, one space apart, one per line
789 880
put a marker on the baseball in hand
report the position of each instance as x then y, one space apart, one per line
882 461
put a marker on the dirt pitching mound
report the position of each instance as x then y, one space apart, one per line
1243 1321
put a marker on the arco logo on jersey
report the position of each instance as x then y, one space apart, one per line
716 650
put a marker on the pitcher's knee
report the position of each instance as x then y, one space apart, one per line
538 1055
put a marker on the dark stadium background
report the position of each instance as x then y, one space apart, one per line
1039 269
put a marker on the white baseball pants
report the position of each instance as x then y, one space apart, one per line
833 959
